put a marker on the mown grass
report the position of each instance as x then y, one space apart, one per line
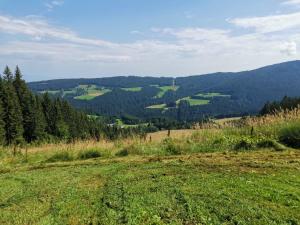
134 89
244 188
194 102
164 90
241 173
92 93
212 95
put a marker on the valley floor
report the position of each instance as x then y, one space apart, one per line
260 187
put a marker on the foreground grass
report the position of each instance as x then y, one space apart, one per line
260 187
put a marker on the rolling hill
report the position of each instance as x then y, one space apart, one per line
184 98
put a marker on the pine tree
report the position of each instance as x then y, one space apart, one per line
2 131
24 97
12 115
38 124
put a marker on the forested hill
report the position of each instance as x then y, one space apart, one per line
26 117
184 98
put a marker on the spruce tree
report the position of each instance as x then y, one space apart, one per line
2 131
12 114
27 107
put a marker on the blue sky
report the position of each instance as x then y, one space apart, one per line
95 38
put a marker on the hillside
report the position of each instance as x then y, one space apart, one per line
226 175
183 98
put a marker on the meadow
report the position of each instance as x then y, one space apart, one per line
240 171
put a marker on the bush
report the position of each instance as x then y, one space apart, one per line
290 135
245 144
122 153
170 147
60 157
89 154
270 144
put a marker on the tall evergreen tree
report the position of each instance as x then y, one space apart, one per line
12 114
2 130
27 107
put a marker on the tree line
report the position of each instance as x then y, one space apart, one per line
26 117
287 103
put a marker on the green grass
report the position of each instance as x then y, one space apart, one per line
211 95
134 89
196 189
164 90
194 102
93 93
160 106
51 92
235 175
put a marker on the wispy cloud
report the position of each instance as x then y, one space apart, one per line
291 2
39 29
53 4
268 24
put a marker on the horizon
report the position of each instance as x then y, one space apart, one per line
141 76
61 39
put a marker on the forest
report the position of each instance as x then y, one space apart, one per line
26 117
185 99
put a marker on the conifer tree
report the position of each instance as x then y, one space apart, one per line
2 131
24 97
12 115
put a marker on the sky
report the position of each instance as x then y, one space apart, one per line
52 39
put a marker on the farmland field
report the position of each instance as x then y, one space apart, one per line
165 89
160 106
211 95
92 92
194 102
134 89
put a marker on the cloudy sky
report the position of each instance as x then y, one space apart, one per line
95 38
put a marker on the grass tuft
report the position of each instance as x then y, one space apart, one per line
290 135
89 154
60 157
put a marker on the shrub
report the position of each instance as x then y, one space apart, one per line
244 144
60 157
170 147
122 153
290 135
89 154
269 143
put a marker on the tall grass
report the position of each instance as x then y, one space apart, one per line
238 135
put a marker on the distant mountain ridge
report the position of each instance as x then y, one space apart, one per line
186 98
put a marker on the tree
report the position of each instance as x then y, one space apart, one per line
12 114
27 107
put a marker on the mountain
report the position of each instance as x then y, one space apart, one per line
184 98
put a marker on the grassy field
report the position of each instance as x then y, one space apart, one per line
230 175
211 95
194 102
165 89
134 89
160 106
93 92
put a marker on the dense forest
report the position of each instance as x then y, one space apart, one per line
26 117
185 99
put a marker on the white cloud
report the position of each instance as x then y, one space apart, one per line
269 24
39 29
289 48
291 2
189 50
